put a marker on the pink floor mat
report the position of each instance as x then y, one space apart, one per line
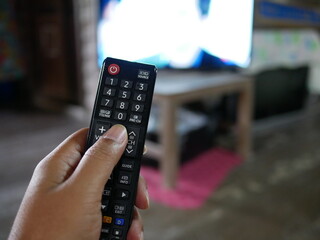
197 179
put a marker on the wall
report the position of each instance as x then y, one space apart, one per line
85 15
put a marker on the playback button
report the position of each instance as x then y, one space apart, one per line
122 194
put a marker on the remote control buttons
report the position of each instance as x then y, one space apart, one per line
119 222
137 107
120 116
124 94
105 230
141 86
107 219
105 113
118 232
107 192
133 136
122 105
127 165
99 130
111 81
119 209
104 205
124 178
126 84
107 102
109 92
122 194
139 97
135 118
113 69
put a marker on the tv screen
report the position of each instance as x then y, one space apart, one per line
178 34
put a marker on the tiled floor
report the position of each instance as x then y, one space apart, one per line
275 195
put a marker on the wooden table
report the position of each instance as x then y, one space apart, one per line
176 88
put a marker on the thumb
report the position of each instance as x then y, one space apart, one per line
97 164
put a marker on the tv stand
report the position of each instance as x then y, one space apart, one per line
177 88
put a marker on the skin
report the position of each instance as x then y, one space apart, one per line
63 199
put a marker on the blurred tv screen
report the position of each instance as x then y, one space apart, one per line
179 34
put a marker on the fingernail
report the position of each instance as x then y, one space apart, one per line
148 199
147 195
145 150
117 133
141 236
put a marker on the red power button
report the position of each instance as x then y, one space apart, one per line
113 69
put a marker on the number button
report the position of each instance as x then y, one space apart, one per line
137 107
142 86
110 81
122 105
139 97
120 116
109 91
124 94
126 84
107 102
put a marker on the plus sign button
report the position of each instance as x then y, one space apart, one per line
113 69
100 129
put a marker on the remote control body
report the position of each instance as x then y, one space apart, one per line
124 97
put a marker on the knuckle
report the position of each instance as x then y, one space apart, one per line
42 166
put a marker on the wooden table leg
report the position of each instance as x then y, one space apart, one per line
244 119
169 141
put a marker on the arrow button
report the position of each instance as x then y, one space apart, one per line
129 151
133 136
132 133
104 205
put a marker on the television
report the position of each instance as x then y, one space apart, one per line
177 34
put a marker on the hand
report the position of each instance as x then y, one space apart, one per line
63 199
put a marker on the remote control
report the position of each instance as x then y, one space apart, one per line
124 97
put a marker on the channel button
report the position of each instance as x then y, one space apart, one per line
133 136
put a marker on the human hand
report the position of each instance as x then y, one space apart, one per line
63 199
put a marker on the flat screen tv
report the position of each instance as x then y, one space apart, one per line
177 34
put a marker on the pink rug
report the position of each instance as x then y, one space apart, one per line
197 179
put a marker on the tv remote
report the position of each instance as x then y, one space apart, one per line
124 97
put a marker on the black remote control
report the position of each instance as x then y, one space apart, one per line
124 97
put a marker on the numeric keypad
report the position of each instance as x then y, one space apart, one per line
118 94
